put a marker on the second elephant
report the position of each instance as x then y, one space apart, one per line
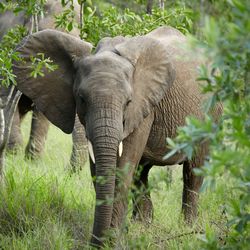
40 124
38 134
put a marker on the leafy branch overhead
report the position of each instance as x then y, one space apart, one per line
69 19
13 37
8 54
30 7
113 22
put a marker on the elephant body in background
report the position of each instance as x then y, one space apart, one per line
130 95
38 134
40 124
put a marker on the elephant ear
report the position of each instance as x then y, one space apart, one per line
53 92
153 75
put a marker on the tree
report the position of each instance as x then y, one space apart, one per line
149 6
161 4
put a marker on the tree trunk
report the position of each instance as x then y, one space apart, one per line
15 139
161 4
149 7
7 108
81 20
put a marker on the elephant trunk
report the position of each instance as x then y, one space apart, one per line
105 136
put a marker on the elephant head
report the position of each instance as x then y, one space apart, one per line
112 91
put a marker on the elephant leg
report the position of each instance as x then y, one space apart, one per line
142 204
133 146
15 137
191 187
79 153
38 135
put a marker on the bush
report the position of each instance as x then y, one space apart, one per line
228 44
113 22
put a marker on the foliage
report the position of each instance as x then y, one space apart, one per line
228 45
135 5
39 63
8 54
14 36
113 22
66 19
30 7
43 206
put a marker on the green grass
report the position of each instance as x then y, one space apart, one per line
43 206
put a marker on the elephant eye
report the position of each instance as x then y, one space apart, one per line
81 106
81 99
116 52
82 103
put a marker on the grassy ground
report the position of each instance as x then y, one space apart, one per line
42 206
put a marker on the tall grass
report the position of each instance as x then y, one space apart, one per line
44 206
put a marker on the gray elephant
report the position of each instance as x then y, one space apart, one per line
40 124
38 134
130 95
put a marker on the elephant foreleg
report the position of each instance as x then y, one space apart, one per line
142 204
133 148
191 187
38 135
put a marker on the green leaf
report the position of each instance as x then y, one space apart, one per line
89 10
2 6
89 2
70 26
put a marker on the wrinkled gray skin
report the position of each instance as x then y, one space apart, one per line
132 90
40 124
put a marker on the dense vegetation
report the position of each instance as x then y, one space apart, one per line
227 43
43 207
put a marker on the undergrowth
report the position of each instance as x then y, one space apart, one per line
44 206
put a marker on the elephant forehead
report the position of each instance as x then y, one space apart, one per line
105 82
106 61
105 71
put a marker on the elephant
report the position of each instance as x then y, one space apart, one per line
38 134
130 95
40 124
